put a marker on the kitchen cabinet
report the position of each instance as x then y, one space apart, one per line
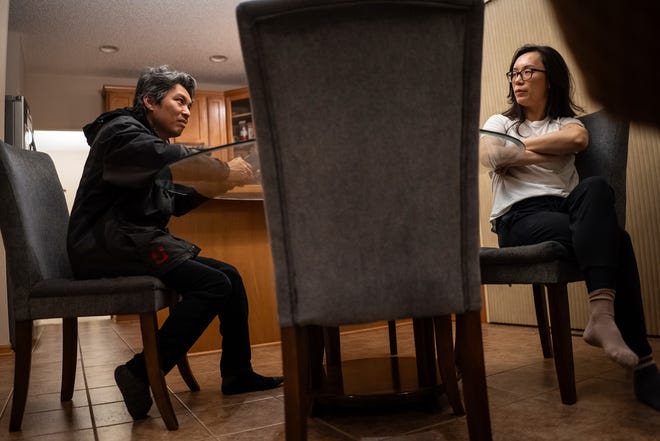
196 132
207 122
239 115
116 97
217 126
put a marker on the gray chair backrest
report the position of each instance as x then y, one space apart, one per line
367 124
607 155
33 221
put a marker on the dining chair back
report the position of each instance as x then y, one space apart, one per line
366 116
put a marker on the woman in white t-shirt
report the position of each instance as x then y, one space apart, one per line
537 196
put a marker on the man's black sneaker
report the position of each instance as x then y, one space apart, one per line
249 382
135 392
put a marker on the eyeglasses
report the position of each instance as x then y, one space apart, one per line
525 74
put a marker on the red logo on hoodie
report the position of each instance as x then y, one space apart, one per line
158 255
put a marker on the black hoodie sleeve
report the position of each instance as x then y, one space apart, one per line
132 154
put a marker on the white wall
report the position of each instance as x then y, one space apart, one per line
15 65
68 149
4 320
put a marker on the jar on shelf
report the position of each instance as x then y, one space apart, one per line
242 131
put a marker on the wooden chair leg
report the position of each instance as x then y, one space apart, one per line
391 331
332 345
562 344
444 344
468 326
295 364
187 375
22 365
542 319
149 328
318 381
425 351
69 357
317 336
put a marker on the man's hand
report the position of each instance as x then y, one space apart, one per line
240 172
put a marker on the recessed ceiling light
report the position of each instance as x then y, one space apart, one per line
108 49
218 58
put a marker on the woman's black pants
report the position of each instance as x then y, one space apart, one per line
586 223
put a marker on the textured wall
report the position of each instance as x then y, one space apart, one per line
508 25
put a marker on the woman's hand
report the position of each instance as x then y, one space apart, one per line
496 153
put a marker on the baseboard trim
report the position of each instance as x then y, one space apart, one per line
5 349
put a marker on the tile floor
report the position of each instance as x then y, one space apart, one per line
523 395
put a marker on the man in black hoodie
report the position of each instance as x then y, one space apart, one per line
118 227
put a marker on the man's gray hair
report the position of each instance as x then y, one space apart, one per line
155 82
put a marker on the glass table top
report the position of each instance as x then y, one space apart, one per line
230 171
498 150
497 139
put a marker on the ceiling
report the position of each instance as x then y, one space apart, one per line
63 37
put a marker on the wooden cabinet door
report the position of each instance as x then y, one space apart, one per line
117 97
196 132
215 103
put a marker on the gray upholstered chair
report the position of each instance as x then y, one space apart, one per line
33 221
367 118
548 264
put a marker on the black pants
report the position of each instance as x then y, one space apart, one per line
208 288
586 223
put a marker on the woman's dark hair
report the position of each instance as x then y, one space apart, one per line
560 93
155 82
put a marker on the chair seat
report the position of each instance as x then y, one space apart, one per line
120 295
545 262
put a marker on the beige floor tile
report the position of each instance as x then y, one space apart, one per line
51 401
378 424
209 398
100 376
49 422
276 432
525 381
499 398
109 414
154 429
223 420
551 421
103 395
523 394
113 357
75 435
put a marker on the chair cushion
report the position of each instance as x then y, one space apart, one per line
536 253
78 298
545 262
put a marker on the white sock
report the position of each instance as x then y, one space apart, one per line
601 331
